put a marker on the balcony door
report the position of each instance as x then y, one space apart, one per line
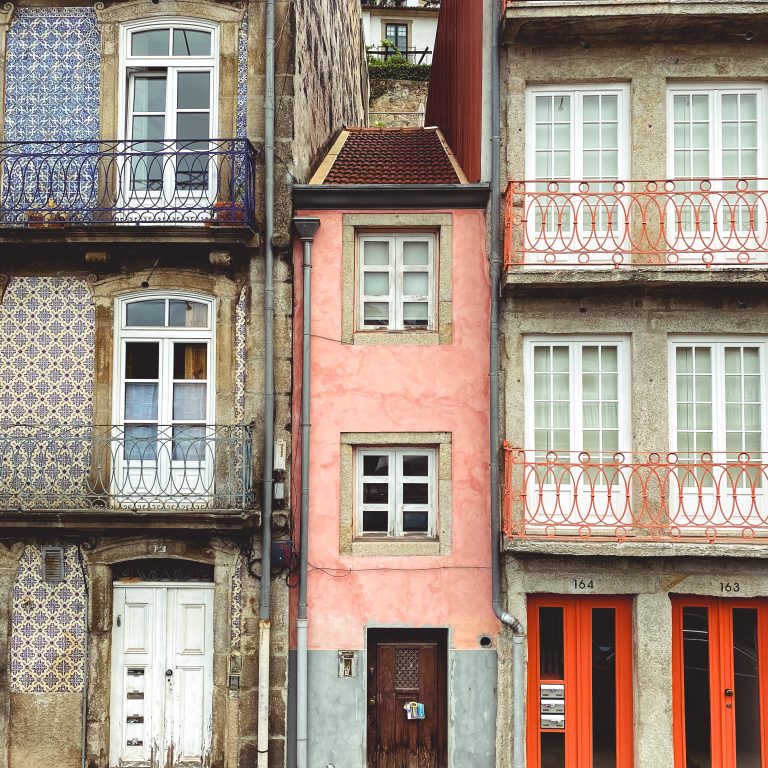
577 140
720 684
717 427
717 156
163 441
171 96
577 423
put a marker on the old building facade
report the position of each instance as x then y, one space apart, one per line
394 486
132 382
634 324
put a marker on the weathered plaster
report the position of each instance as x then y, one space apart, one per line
362 389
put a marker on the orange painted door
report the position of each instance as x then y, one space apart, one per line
719 653
579 682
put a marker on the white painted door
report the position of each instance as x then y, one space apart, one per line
162 675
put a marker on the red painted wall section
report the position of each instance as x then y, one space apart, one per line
367 388
454 103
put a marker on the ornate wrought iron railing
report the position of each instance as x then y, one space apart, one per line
134 467
623 496
698 222
58 184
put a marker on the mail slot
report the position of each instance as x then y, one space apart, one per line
552 691
552 722
552 706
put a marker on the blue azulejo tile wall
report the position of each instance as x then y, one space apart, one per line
52 75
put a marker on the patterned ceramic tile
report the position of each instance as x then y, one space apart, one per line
242 78
240 330
236 615
46 391
46 345
52 75
47 630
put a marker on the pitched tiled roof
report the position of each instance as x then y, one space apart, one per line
390 156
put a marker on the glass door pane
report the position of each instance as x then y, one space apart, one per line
604 687
696 687
746 699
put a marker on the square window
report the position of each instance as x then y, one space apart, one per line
396 282
395 491
395 494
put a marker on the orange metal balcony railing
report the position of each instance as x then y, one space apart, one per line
646 497
692 222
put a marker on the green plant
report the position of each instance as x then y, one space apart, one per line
398 70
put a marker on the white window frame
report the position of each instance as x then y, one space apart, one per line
718 345
716 91
395 481
166 336
396 298
131 65
576 427
577 93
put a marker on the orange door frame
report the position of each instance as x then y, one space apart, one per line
721 676
577 678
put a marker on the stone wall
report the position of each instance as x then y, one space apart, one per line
330 72
397 103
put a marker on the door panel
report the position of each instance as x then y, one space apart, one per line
579 682
404 667
162 679
719 682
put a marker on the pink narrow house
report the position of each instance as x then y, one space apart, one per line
394 640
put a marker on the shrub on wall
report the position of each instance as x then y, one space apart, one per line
398 70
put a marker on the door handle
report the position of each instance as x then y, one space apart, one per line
169 673
371 702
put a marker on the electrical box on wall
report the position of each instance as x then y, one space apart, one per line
282 554
280 455
347 663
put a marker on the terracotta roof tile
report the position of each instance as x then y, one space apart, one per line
393 156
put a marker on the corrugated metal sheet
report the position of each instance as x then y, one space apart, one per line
455 90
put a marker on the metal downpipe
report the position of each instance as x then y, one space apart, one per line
262 725
306 228
518 639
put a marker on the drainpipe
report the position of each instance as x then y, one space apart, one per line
86 681
518 636
262 725
306 227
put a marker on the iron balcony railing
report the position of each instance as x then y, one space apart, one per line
673 223
646 497
59 184
134 467
413 55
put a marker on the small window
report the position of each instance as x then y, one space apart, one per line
396 491
396 282
397 34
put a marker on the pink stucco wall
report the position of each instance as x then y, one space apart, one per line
368 388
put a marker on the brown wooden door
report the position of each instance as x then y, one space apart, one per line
406 666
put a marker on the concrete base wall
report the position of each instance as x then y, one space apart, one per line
45 730
338 710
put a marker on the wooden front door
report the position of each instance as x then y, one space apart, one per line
720 682
162 675
407 667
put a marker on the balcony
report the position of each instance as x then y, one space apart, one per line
135 472
552 22
82 186
629 497
668 226
411 55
